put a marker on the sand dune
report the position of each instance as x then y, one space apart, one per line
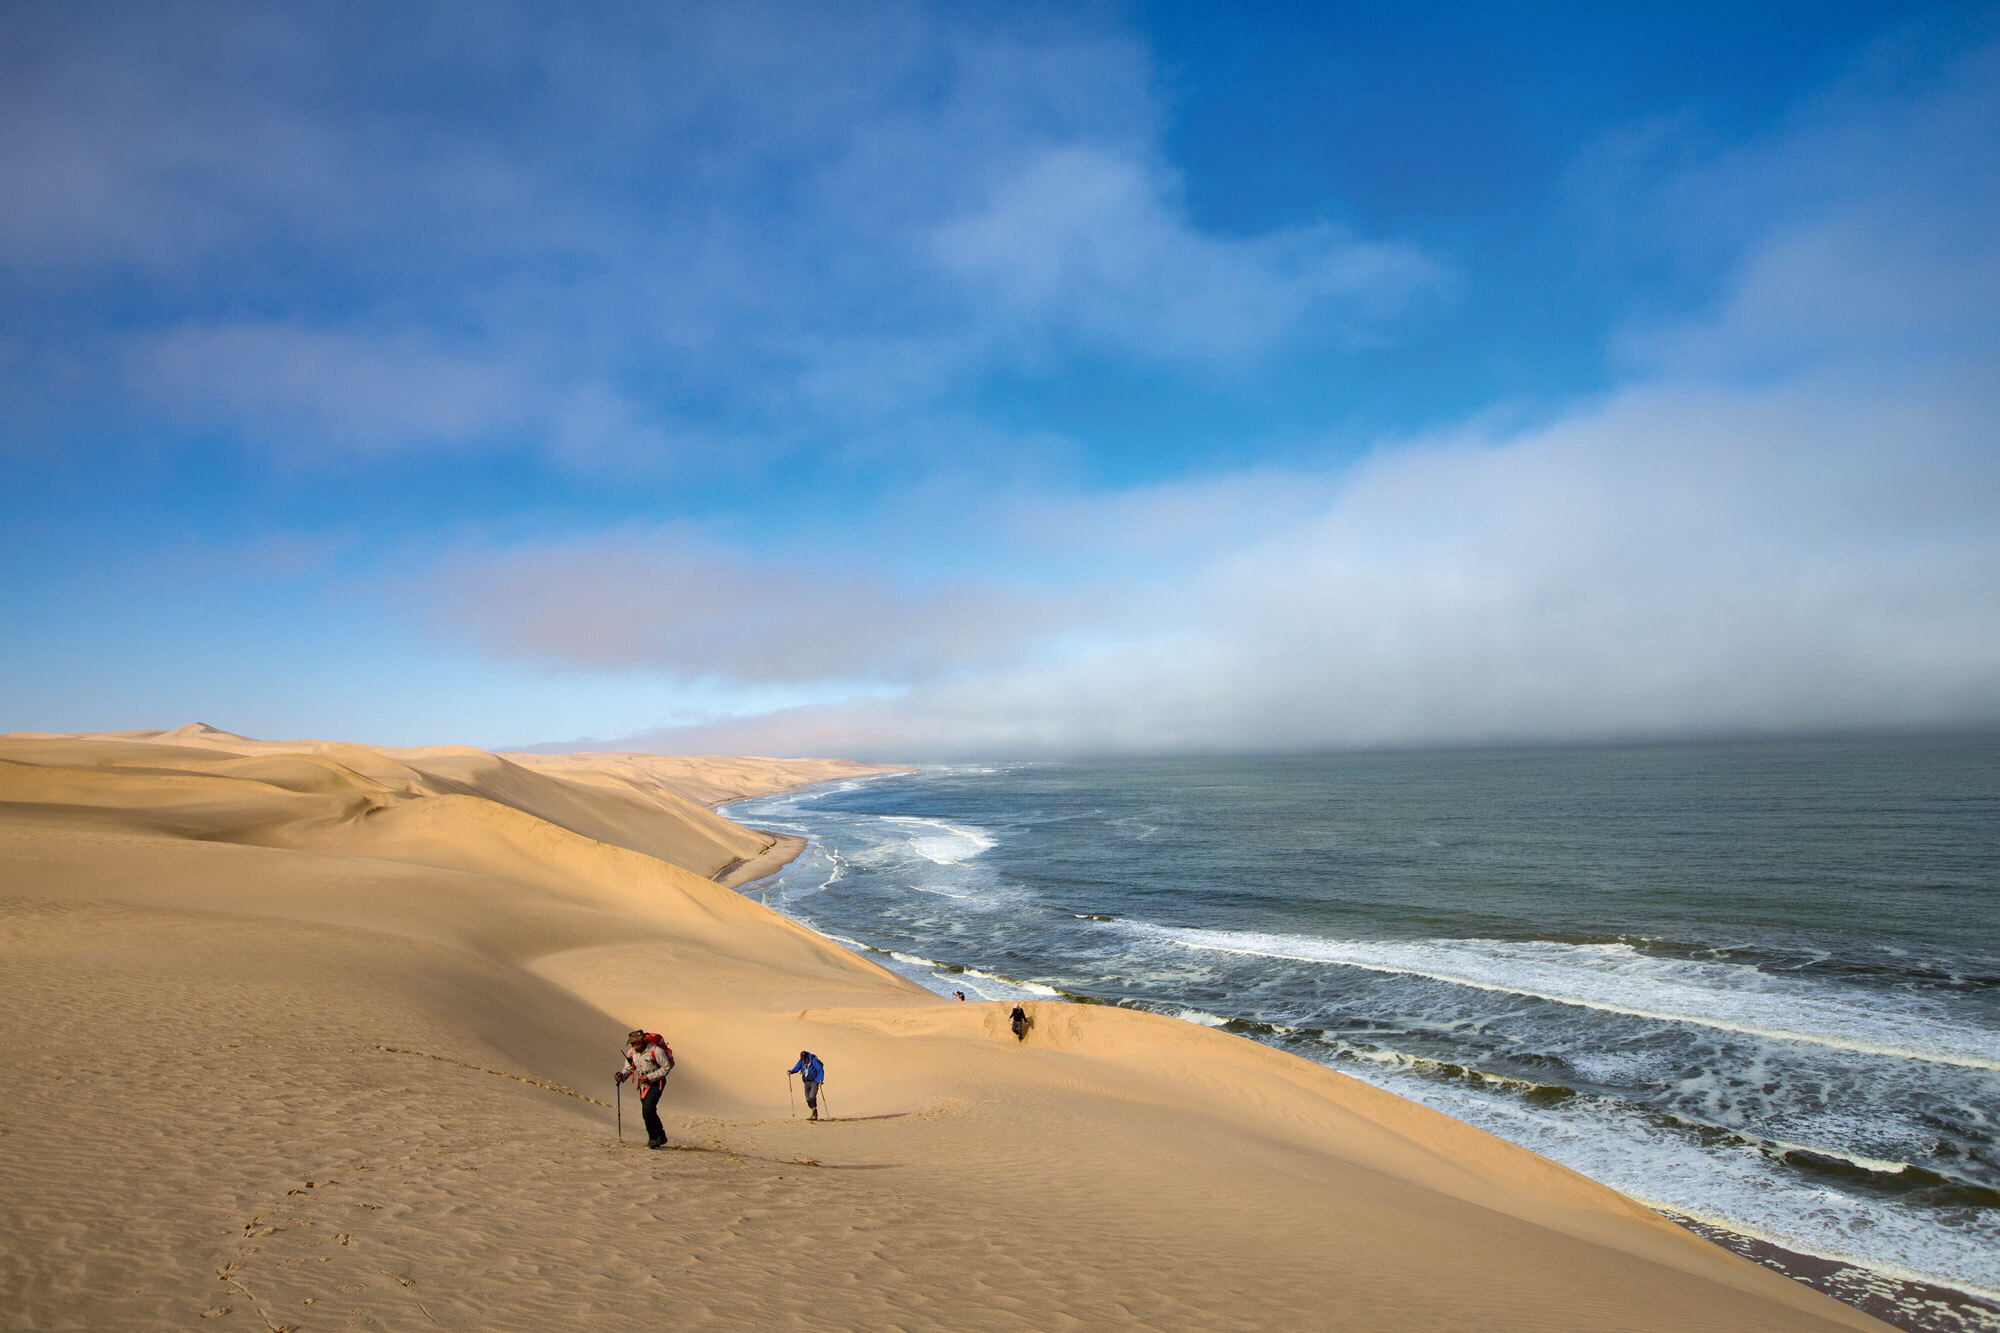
315 1035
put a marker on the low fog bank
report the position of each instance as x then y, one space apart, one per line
1638 571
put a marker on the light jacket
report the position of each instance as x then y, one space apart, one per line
814 1071
649 1064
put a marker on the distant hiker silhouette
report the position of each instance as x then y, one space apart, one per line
961 996
1020 1023
649 1059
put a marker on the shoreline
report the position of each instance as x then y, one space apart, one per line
783 850
464 940
1906 1302
785 847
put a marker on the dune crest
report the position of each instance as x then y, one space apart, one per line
312 1034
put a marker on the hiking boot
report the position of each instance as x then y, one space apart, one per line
657 1143
814 1115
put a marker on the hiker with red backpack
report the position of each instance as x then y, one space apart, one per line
649 1060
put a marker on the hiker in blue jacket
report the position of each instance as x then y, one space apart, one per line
814 1074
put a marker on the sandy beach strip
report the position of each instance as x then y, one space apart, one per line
312 1035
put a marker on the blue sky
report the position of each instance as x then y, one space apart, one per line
921 381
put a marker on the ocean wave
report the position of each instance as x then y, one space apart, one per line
846 943
1727 1179
1032 987
1882 1173
1619 979
936 892
1436 1068
948 844
1147 829
946 977
1980 1287
1963 970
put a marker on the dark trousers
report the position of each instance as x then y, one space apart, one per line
649 1104
812 1093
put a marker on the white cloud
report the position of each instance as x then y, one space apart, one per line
1093 243
701 223
1861 230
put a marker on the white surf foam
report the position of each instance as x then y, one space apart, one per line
1426 1064
945 979
1737 1188
1619 979
1024 987
936 891
942 843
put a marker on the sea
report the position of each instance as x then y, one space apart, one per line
1753 984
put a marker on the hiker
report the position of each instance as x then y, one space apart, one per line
649 1059
814 1074
961 996
1020 1022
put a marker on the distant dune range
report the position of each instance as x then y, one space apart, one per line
320 1036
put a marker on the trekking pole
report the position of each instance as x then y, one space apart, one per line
620 1084
791 1096
824 1102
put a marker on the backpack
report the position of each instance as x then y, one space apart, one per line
815 1070
653 1039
